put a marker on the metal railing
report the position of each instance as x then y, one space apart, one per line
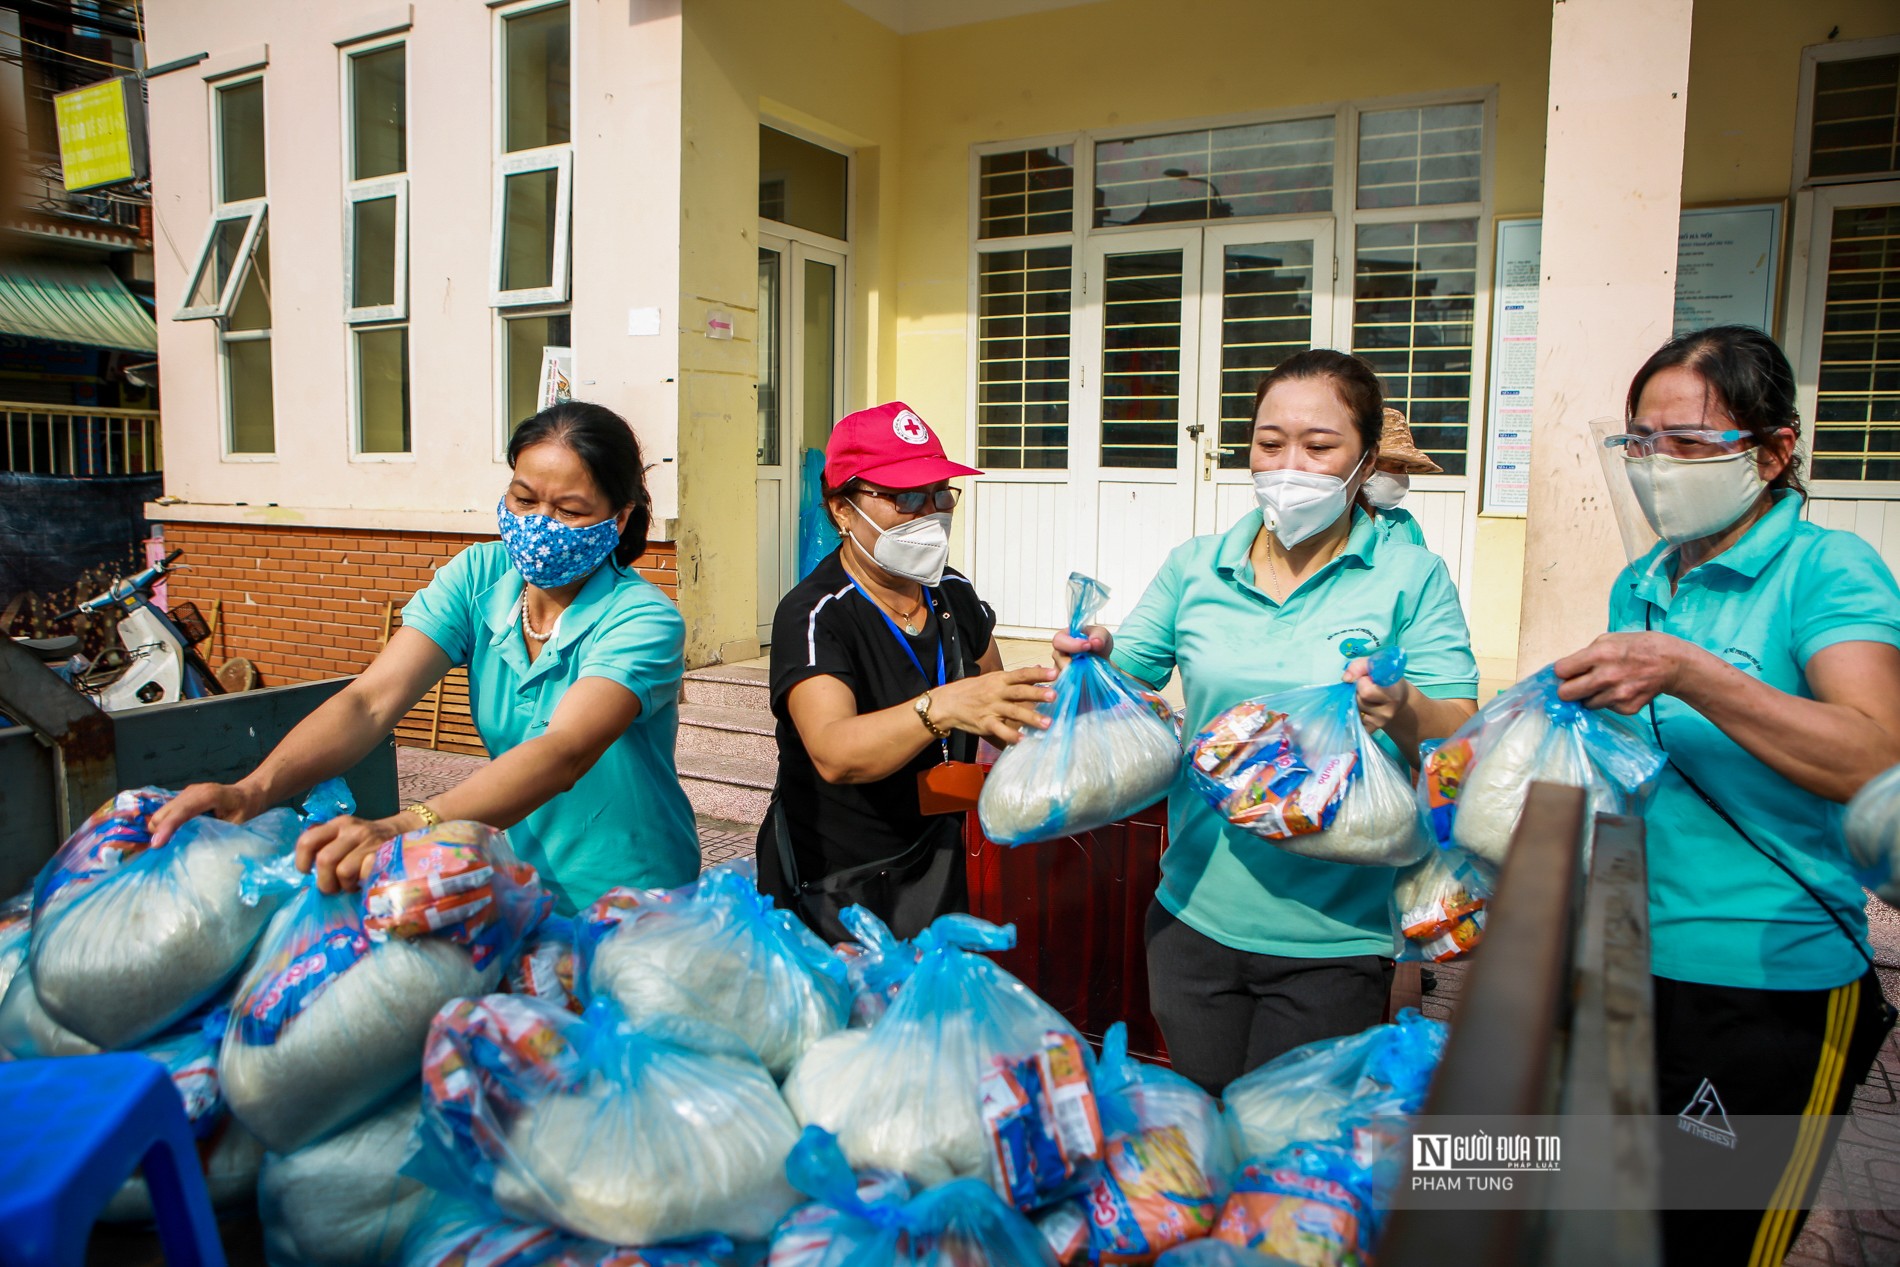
67 440
43 188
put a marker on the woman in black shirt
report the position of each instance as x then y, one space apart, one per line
883 666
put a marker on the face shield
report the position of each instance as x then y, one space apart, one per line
1631 524
1677 483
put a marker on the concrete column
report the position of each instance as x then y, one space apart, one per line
1619 76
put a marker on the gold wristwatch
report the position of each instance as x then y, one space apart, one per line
923 715
428 816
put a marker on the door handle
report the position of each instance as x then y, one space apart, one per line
1214 453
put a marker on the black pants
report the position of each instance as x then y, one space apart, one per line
1225 1011
1787 1061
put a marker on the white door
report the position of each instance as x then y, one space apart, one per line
801 381
1137 416
1266 293
1847 363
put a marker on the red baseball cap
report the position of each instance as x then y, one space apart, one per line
888 445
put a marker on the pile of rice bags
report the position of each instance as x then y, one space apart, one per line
1297 768
629 1134
548 965
1112 748
1474 785
128 939
717 951
963 1223
341 1202
1311 1093
1873 834
230 1154
1441 902
332 1016
967 1074
26 1031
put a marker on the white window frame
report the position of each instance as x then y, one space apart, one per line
259 211
253 212
353 359
499 356
558 159
1347 218
1811 57
394 184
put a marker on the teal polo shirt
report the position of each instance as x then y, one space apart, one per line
1721 913
626 821
1203 616
1398 524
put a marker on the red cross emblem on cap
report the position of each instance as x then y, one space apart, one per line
910 428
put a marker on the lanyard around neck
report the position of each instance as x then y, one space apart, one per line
903 641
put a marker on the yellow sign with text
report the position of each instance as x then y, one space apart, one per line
101 134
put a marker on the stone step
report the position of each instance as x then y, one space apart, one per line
725 686
730 788
719 731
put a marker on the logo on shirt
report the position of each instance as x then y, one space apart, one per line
909 428
1742 660
1354 642
1705 1118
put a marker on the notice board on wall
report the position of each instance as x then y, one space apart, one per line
1728 260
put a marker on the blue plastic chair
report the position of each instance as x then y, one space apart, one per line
75 1129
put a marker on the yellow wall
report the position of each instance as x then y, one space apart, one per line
820 66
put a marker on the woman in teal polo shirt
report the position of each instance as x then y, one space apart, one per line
1252 950
1763 653
574 664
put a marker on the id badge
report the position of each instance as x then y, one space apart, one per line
950 787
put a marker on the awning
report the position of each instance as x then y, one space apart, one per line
73 303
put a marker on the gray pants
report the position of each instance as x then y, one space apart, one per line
1224 1011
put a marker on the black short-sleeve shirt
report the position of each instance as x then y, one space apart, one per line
826 627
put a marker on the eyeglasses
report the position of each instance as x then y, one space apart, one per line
912 501
1687 442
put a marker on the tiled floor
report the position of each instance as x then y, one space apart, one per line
1865 1172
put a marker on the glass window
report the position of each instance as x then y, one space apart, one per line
247 382
1266 316
524 337
1027 191
223 255
373 238
241 141
382 389
1857 402
1856 118
527 251
1141 359
251 310
378 113
1259 169
1422 157
802 184
1022 411
819 378
1413 309
771 266
536 89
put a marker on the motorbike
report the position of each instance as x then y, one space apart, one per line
156 661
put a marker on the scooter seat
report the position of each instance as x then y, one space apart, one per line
51 650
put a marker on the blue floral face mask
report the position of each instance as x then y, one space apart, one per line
549 554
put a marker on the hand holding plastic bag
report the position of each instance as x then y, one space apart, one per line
1474 785
333 1015
1298 768
960 1224
1873 834
630 1134
128 939
717 951
1112 748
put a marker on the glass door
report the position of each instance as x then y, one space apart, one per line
1138 421
801 377
1260 304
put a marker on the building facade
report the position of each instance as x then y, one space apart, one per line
1070 233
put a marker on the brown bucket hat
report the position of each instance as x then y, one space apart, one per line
1395 445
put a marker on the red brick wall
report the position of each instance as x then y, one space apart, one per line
308 603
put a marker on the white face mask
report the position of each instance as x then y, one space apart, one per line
1383 489
1686 499
1296 505
916 551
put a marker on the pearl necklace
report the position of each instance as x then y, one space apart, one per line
529 629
